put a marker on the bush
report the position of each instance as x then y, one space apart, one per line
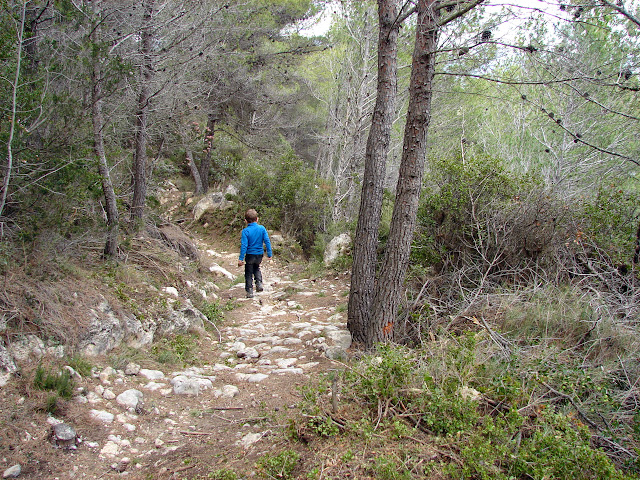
470 208
278 466
289 197
497 435
488 228
179 349
60 382
610 223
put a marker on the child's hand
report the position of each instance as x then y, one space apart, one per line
240 263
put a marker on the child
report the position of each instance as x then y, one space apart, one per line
251 251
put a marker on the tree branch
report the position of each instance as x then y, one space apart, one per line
622 11
457 14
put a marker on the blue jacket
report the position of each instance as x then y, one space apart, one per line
253 236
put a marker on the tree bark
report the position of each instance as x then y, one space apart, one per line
389 286
97 117
205 164
12 123
140 156
195 173
366 240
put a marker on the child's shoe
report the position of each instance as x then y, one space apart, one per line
250 293
259 287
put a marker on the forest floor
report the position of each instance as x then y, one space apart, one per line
251 368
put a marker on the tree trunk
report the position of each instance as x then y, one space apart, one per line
12 123
140 157
205 165
366 240
111 206
195 173
389 286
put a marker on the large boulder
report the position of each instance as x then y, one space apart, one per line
209 203
338 246
106 331
183 317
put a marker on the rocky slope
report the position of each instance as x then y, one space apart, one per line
224 406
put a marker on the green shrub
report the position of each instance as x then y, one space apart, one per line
288 196
389 468
383 376
60 382
214 311
278 466
223 474
323 426
454 193
81 365
611 222
561 449
179 349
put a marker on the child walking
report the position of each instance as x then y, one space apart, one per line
254 236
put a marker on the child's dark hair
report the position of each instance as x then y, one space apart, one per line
251 216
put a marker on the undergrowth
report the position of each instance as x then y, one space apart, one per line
459 408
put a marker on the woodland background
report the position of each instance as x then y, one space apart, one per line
522 274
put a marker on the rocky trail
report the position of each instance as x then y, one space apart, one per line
225 409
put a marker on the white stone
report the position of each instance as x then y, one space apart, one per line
283 371
110 449
339 338
12 472
75 375
183 385
249 439
53 421
469 393
286 362
132 369
339 245
106 374
248 353
236 346
307 366
217 269
130 398
256 377
153 386
279 349
108 394
228 391
300 325
93 398
151 374
102 416
219 367
171 291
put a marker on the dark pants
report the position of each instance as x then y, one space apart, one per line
251 270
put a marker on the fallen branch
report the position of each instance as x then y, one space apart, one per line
216 327
584 416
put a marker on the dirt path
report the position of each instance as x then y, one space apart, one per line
224 411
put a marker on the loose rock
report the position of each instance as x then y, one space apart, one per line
64 436
12 472
130 398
